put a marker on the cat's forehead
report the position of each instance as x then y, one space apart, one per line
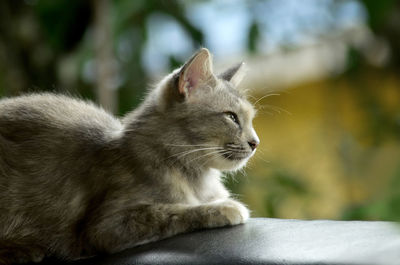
230 97
248 109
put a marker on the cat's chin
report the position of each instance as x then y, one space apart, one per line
224 164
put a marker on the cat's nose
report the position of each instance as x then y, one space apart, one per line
253 144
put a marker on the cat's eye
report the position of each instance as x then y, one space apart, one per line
233 117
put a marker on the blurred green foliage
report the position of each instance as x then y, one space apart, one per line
63 22
385 207
383 124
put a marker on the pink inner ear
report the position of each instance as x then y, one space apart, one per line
190 81
192 78
197 71
190 85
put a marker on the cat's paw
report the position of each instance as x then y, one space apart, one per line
235 211
227 212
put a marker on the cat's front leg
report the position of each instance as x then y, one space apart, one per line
125 228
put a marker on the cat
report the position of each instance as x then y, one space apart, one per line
76 181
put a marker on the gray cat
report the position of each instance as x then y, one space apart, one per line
76 181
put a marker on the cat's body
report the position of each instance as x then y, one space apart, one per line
76 181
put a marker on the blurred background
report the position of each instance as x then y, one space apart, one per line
324 75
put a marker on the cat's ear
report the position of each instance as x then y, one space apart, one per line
234 74
195 72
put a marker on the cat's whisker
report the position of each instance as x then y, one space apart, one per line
190 145
222 153
276 109
265 96
259 155
238 151
195 150
187 152
205 155
253 97
201 149
262 159
266 112
260 151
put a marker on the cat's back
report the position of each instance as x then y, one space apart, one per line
50 113
51 154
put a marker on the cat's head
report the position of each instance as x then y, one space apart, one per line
207 120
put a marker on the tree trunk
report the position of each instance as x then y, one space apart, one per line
106 76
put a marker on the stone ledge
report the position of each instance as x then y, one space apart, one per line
271 241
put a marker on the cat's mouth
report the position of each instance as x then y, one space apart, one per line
235 152
233 156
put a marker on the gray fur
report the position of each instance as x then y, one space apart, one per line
76 181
